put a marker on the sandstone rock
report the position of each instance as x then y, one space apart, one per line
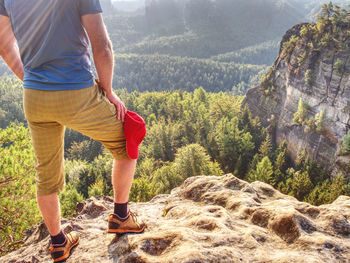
330 91
207 219
92 208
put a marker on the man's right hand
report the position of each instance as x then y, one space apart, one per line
121 110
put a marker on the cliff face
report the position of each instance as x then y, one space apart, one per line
327 89
207 219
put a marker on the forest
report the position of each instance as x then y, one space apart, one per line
187 78
163 72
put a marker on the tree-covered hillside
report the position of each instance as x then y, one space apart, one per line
163 72
244 32
261 54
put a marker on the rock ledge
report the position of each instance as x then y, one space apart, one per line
207 219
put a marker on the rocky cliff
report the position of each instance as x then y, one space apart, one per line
207 219
319 74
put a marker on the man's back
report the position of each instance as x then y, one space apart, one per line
52 41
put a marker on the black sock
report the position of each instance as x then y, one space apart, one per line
58 240
121 210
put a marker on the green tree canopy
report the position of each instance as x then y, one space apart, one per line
18 208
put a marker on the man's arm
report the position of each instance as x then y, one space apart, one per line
103 57
8 48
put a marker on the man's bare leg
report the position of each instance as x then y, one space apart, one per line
50 210
60 243
122 176
121 221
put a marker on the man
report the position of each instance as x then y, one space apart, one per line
45 43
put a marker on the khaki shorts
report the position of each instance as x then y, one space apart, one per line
87 111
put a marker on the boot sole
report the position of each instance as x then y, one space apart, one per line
120 231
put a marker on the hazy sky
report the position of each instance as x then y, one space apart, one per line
321 1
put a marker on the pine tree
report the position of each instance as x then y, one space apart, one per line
337 188
192 160
310 77
146 168
165 179
301 114
320 120
301 185
302 159
281 160
266 147
263 172
96 189
252 165
228 139
141 190
247 153
285 187
18 208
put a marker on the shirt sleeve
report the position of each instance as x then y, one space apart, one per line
2 8
88 7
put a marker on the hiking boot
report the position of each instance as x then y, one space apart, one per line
60 254
130 225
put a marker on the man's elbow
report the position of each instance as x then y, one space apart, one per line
6 48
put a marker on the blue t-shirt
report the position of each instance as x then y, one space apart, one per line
52 41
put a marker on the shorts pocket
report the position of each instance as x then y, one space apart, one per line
102 95
111 106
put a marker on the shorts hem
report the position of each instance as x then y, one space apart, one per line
49 192
120 156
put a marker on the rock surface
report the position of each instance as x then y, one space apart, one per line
330 91
207 219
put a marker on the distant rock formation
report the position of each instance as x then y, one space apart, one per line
329 91
207 219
